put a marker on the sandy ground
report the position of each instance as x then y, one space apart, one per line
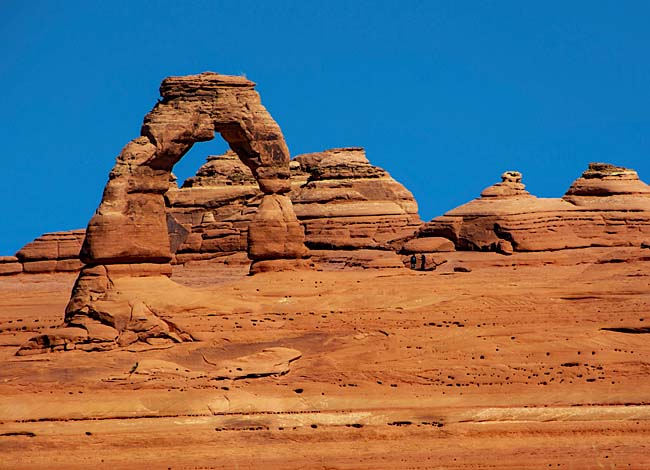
505 366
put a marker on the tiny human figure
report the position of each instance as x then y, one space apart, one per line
424 262
414 261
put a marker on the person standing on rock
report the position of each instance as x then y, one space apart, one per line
414 261
424 262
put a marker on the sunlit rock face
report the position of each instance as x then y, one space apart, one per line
606 206
343 202
128 237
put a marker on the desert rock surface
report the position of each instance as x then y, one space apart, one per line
277 313
529 360
606 206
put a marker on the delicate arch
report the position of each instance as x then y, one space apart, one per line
128 237
130 226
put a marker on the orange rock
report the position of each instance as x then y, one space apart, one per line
607 206
10 265
132 234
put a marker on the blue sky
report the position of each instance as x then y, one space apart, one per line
444 95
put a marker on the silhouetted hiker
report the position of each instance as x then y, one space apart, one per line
424 262
414 261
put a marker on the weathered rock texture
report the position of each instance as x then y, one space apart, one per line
350 210
128 235
347 203
58 251
10 265
344 203
607 206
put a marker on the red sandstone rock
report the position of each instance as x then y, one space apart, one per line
428 245
344 203
46 266
607 206
10 265
53 246
603 179
348 203
132 230
342 200
275 231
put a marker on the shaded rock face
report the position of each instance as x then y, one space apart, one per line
607 206
128 235
216 207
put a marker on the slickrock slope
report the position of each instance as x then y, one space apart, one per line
607 206
536 360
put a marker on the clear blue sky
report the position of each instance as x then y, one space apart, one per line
444 95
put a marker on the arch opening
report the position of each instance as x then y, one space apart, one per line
128 236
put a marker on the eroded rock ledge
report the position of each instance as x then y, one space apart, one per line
344 203
607 206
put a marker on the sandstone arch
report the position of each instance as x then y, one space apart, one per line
130 224
127 237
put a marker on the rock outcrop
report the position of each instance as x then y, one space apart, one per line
343 202
347 203
607 206
350 209
57 251
128 235
10 265
216 207
51 252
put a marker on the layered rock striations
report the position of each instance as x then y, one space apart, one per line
127 238
215 207
350 209
344 203
607 206
347 203
57 251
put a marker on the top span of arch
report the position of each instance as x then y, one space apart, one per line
195 86
194 107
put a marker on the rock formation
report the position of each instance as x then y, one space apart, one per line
10 265
51 252
215 207
58 251
344 203
128 235
606 206
347 203
351 211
